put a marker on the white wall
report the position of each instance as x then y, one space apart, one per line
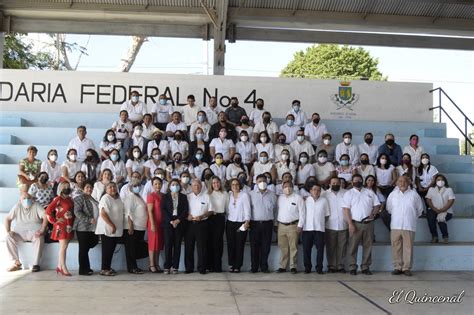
25 90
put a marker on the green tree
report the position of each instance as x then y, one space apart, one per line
19 54
333 62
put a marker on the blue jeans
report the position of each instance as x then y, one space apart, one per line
431 217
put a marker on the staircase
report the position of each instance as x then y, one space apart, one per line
18 130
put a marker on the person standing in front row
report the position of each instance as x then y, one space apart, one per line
261 224
196 233
154 227
405 206
360 204
290 212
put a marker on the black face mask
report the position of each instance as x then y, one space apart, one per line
364 162
207 176
243 180
235 104
282 141
390 142
43 180
238 160
178 137
245 121
335 187
357 184
316 120
67 191
260 106
266 119
369 140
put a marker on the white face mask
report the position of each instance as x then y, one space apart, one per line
53 157
156 156
110 137
303 160
347 140
72 157
440 183
185 180
284 157
262 185
300 138
134 99
263 139
425 161
322 159
327 141
263 159
138 132
136 154
244 138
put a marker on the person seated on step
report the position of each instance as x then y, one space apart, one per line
29 168
81 144
30 226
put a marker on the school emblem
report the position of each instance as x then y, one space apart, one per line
344 97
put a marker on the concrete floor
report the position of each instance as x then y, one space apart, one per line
46 293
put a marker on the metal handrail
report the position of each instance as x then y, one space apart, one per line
466 119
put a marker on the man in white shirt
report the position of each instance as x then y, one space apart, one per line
162 112
405 206
196 233
346 147
135 108
300 116
315 130
81 144
290 211
148 127
261 224
369 148
302 145
256 115
316 213
190 111
360 207
213 110
30 226
336 234
289 128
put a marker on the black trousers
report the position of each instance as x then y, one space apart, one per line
431 217
86 240
215 242
235 244
173 237
260 243
311 238
131 244
108 248
196 235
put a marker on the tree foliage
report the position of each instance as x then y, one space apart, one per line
18 53
333 62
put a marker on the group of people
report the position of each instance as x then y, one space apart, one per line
196 173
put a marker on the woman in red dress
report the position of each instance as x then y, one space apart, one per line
154 229
60 214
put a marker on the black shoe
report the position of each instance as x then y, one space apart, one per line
281 270
85 273
254 271
266 271
293 271
353 272
203 272
407 273
306 270
189 271
319 271
397 272
341 270
366 272
331 270
36 268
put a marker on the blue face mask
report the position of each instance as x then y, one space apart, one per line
174 188
344 162
198 156
114 157
136 189
290 122
27 202
163 101
134 99
296 108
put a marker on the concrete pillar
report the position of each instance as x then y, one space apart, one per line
219 37
2 44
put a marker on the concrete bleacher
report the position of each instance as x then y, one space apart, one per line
18 130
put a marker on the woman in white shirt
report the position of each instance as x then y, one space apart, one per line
218 167
179 144
323 169
109 143
345 169
244 126
117 166
238 222
99 186
236 167
91 165
304 169
175 167
386 175
246 149
109 226
135 163
71 166
371 183
197 164
264 145
219 200
222 145
202 124
153 163
440 200
266 125
414 150
135 219
365 168
263 165
425 175
406 168
285 165
52 167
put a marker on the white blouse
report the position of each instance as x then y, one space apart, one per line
384 176
303 173
114 208
72 168
239 209
54 173
247 150
135 208
219 201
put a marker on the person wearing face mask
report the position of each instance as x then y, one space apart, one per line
407 168
135 181
52 167
174 125
268 126
174 211
30 226
386 175
280 146
42 190
414 150
123 127
137 140
185 180
302 145
29 168
304 169
213 110
301 118
117 167
71 166
135 163
286 177
246 149
234 111
135 107
263 202
256 115
243 179
289 128
161 112
327 146
235 168
201 123
197 164
81 143
365 168
158 142
360 207
345 169
336 233
190 111
218 167
206 179
176 167
369 148
91 165
179 144
222 145
323 169
60 213
148 127
148 188
264 145
315 130
440 199
135 223
425 175
285 165
348 148
263 165
290 211
199 144
405 206
155 161
244 125
391 149
223 123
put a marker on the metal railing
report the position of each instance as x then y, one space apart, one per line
467 121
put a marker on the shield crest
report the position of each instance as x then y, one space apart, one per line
345 93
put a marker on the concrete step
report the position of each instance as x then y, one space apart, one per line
12 154
66 120
451 257
11 121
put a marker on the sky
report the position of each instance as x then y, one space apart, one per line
453 70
